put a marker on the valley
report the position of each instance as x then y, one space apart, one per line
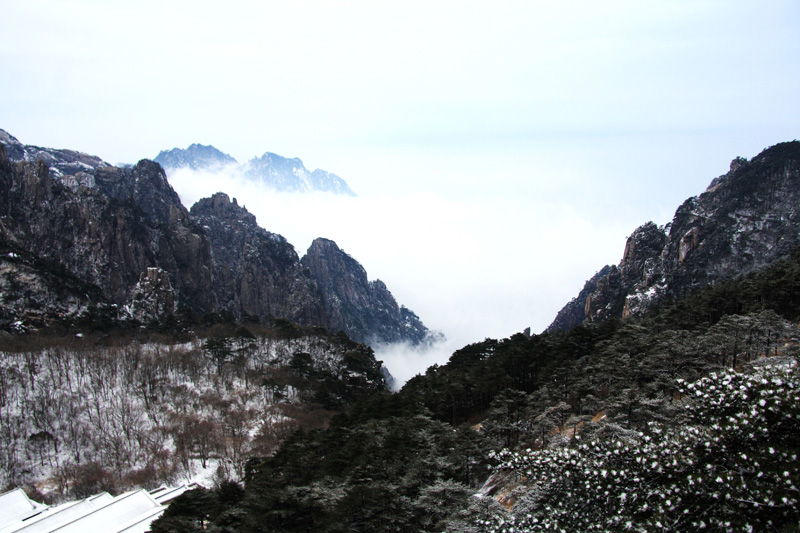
147 344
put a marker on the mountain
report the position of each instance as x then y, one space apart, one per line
102 228
745 220
290 175
274 171
366 307
256 272
196 157
63 164
684 416
118 242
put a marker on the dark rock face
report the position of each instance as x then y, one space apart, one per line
35 292
363 309
575 311
121 239
153 297
745 220
255 272
109 233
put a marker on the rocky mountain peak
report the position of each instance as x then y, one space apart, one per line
196 157
61 163
221 206
271 170
290 175
144 184
364 309
744 220
337 272
120 238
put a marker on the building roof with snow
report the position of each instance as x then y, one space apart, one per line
15 506
131 512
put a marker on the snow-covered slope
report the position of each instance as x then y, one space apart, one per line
78 418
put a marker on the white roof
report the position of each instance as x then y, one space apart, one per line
54 517
131 512
120 510
140 524
164 495
15 506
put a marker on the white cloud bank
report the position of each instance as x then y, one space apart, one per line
471 268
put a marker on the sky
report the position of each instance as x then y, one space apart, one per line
501 151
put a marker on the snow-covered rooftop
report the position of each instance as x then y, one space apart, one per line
15 506
131 512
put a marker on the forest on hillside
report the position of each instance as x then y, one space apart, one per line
685 418
635 424
81 415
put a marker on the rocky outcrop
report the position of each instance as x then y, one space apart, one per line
363 309
153 297
575 311
119 238
255 272
109 233
745 220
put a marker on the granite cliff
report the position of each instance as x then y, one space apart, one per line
256 272
78 235
103 227
366 308
745 220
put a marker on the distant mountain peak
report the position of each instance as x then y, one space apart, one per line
196 157
272 170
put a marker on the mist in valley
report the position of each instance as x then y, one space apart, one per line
470 266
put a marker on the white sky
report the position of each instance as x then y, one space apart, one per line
502 151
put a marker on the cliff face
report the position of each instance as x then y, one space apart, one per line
76 237
744 220
364 309
255 272
574 312
106 228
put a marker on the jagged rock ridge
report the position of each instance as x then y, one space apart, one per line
102 229
62 163
271 170
196 157
256 272
745 220
120 238
575 311
291 175
366 307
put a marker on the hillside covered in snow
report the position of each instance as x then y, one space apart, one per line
80 416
